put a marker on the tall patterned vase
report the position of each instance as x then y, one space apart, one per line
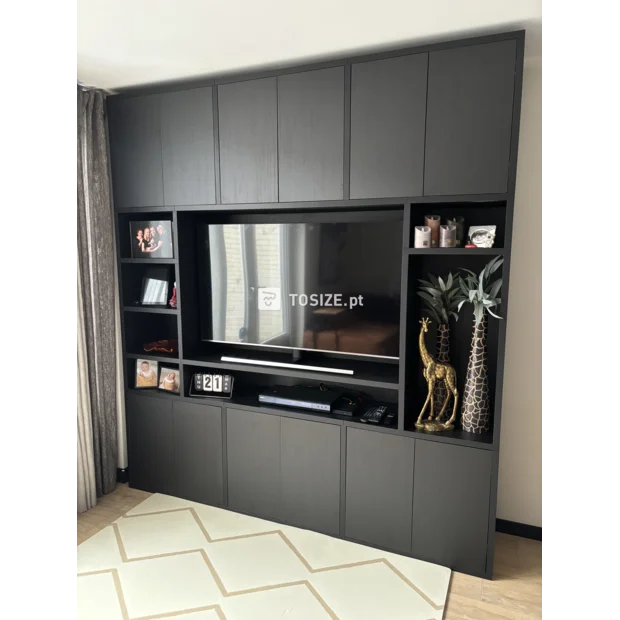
443 355
476 408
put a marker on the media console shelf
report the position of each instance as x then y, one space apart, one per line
394 135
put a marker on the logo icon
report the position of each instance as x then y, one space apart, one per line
269 298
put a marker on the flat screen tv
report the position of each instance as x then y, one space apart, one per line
318 282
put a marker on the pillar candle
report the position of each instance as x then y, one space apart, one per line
422 237
433 221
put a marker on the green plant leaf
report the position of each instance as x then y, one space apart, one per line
495 264
493 314
450 281
426 297
442 284
461 304
495 288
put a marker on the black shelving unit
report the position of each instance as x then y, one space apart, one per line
392 488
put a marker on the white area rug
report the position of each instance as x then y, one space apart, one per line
172 558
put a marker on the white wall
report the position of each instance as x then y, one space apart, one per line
520 473
123 43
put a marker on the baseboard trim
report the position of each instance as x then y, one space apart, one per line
518 529
122 475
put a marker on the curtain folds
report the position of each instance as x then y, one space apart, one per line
97 366
86 489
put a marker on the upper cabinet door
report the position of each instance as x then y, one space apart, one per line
388 104
311 135
469 119
187 147
135 145
248 128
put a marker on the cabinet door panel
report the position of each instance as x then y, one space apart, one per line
311 135
248 128
379 489
198 452
187 147
151 447
469 119
253 442
310 465
388 107
135 151
451 505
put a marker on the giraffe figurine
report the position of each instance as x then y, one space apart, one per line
436 371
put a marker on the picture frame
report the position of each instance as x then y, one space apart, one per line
169 380
482 236
155 286
146 377
151 239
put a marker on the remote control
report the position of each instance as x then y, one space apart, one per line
390 419
374 415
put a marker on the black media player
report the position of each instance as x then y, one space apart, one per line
311 399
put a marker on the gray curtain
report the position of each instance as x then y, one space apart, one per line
96 266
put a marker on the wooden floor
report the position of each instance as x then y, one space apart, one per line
514 594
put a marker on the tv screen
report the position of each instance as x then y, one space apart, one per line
331 286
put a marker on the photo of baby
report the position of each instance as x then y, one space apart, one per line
146 374
151 239
169 380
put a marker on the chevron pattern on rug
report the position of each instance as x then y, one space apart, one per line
169 557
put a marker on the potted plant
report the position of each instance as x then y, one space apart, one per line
482 292
441 300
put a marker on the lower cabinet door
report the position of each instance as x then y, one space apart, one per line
253 457
379 489
151 444
310 470
451 505
198 452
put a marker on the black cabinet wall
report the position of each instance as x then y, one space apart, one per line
285 469
388 111
248 128
451 495
379 489
253 449
175 448
469 119
411 496
135 151
433 123
311 135
150 431
310 470
187 147
162 149
392 128
198 452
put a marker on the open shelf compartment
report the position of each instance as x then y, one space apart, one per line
461 331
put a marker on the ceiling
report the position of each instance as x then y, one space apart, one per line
123 43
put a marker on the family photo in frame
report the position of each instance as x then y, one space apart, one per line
146 374
150 375
169 380
151 239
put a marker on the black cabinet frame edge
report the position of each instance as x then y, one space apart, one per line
283 69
